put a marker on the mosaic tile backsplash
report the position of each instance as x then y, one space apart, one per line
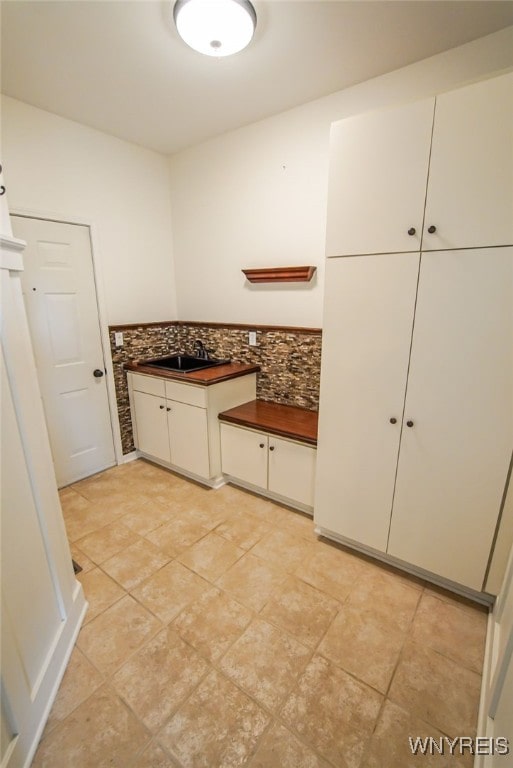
290 359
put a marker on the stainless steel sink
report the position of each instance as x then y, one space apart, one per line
183 363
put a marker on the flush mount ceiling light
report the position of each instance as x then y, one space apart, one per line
215 27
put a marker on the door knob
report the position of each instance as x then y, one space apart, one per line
262 445
393 420
271 447
168 409
162 407
411 231
97 373
431 229
409 423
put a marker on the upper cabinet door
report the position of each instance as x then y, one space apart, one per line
378 175
470 190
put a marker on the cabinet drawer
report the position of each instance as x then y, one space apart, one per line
186 393
148 384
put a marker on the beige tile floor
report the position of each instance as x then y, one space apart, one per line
222 632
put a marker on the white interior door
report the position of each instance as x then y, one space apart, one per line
60 299
454 458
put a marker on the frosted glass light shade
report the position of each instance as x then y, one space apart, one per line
215 27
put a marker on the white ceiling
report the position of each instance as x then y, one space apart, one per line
119 66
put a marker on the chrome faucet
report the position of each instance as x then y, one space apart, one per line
199 350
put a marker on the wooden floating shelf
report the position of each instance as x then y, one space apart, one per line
280 274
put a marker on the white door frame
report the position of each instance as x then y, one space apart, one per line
102 314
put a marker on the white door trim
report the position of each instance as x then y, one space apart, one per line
101 304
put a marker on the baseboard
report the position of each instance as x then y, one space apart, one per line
128 457
478 597
258 491
212 482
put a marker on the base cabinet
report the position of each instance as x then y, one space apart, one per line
281 468
176 423
173 432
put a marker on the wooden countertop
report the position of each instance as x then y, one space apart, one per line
283 420
205 377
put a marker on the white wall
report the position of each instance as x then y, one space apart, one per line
253 197
61 168
257 196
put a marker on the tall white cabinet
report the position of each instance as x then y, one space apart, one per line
416 407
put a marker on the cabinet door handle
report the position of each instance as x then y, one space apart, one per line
411 231
271 447
409 423
262 445
393 420
432 229
161 407
168 409
97 373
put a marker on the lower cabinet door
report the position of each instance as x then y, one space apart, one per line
188 437
458 421
292 470
244 454
368 320
152 432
